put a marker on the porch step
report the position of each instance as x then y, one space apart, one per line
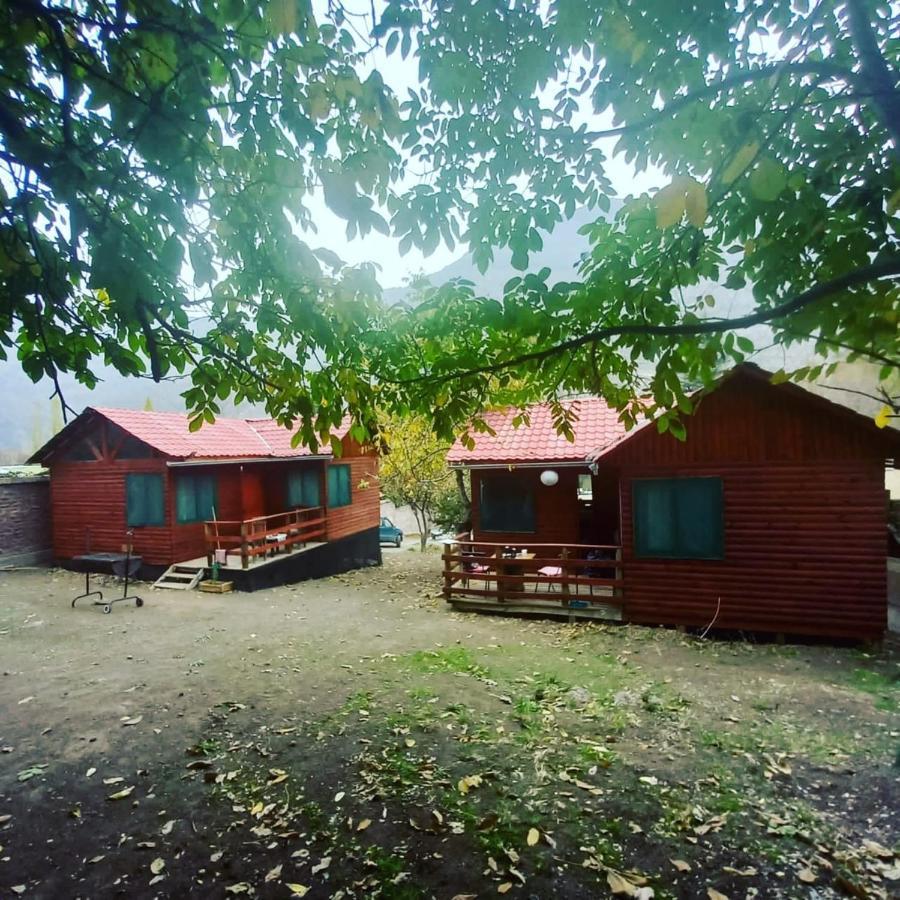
180 577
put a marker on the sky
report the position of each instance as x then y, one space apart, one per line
400 75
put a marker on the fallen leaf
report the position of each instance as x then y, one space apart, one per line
533 837
297 890
167 828
681 865
364 824
215 857
157 865
339 796
503 888
713 894
90 772
807 876
240 888
115 779
25 700
322 865
121 795
31 772
618 884
274 874
133 720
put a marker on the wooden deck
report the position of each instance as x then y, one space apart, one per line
257 540
571 580
234 563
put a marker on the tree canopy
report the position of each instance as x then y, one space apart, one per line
157 161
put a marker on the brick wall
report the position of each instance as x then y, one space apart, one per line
24 521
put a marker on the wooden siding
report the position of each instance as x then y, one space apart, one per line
804 511
556 509
746 420
364 511
90 497
88 502
804 553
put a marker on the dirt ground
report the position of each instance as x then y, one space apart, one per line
354 737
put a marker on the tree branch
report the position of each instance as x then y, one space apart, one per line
862 275
874 69
823 68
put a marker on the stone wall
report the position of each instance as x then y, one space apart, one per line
25 532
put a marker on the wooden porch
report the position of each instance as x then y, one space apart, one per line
572 580
254 541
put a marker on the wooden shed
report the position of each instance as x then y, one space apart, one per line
770 517
235 490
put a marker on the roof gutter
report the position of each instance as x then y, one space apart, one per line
244 459
567 464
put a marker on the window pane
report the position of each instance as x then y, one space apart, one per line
654 519
185 499
699 517
206 497
506 505
679 518
294 489
144 500
136 512
338 486
312 491
585 487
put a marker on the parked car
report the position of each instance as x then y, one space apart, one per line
389 533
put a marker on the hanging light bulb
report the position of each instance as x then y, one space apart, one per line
549 477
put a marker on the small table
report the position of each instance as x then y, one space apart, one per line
505 568
121 564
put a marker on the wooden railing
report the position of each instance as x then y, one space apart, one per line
573 575
264 535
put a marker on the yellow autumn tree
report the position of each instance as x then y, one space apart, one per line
414 472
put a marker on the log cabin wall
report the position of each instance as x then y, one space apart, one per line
89 510
804 518
364 511
556 509
188 539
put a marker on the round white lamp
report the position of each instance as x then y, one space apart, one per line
549 477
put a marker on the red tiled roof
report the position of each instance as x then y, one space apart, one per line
597 428
224 439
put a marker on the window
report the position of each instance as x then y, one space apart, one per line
339 493
144 500
195 498
304 488
506 504
678 518
585 487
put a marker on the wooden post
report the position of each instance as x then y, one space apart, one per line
563 557
245 556
500 571
209 549
448 578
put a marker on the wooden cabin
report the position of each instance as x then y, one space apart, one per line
770 517
234 491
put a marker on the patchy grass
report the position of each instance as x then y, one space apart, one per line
408 752
885 690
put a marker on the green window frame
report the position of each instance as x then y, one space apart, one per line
144 500
678 518
339 488
196 498
304 488
506 505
